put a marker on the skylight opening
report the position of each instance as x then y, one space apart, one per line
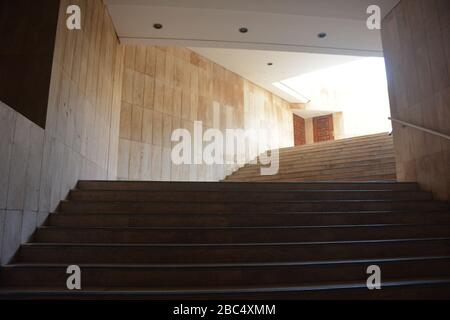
292 92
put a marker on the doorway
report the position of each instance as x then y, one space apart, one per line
323 128
299 131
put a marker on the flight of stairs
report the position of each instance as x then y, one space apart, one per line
366 158
160 240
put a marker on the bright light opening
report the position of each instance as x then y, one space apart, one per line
357 89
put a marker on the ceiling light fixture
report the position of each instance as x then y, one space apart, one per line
243 30
157 26
322 35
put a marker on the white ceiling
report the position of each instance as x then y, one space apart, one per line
280 25
346 9
252 65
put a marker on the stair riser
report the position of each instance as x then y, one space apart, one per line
405 292
61 235
133 196
241 187
245 220
227 254
401 293
149 278
268 207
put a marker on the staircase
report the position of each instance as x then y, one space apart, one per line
367 158
159 240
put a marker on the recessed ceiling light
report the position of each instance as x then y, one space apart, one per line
157 26
243 30
322 35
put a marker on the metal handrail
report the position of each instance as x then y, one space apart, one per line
407 124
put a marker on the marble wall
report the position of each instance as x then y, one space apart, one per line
38 167
102 91
167 88
416 41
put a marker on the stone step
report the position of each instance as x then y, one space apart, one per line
339 160
336 148
66 253
366 158
339 150
418 289
326 176
246 219
359 178
339 172
197 276
231 196
242 187
68 207
364 141
329 163
236 235
346 175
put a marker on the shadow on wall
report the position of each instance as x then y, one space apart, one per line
38 167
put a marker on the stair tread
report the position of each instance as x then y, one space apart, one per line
123 291
358 158
365 226
270 236
267 244
240 201
227 265
250 191
375 212
174 183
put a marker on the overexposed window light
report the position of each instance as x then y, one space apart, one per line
358 89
